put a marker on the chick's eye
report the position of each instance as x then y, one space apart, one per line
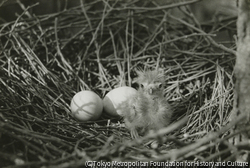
141 85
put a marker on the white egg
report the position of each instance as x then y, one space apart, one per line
86 105
115 98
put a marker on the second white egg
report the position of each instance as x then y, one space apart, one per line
113 100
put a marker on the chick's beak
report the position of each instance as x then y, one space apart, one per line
150 91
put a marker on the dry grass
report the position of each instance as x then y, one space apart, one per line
46 59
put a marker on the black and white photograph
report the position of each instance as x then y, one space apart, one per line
124 83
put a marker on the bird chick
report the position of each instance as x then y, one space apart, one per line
148 109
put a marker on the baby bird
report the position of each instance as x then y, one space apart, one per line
148 109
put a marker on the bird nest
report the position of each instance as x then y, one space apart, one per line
47 59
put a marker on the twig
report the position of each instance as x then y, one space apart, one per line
221 46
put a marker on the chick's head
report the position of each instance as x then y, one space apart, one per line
152 82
